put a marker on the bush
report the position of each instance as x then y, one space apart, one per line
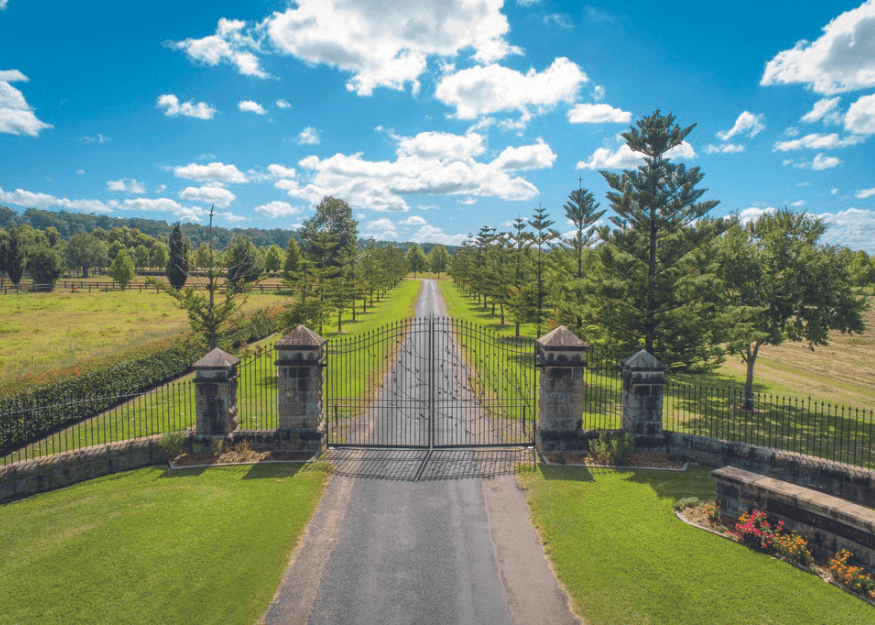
612 449
173 442
686 502
794 548
853 577
756 530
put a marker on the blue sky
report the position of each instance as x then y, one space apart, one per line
430 117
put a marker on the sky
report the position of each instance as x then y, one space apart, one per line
431 118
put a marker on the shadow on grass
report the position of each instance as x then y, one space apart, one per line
565 474
697 481
169 473
273 470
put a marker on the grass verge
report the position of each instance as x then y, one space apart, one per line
625 558
155 546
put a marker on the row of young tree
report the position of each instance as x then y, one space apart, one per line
663 275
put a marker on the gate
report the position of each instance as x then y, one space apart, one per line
430 383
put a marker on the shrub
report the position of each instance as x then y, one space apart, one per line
612 449
686 502
173 442
755 530
794 548
853 577
217 446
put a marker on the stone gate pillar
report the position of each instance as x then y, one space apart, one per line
560 394
215 383
300 359
643 382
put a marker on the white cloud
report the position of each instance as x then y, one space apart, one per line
753 213
230 44
433 234
281 171
536 156
308 136
817 141
483 90
3 4
625 158
379 229
277 209
429 163
860 117
798 203
747 124
598 114
20 197
214 172
98 139
824 109
852 227
283 104
791 131
468 201
232 217
80 172
249 106
413 220
822 162
16 116
126 185
172 108
598 92
841 60
219 196
834 191
864 193
724 148
387 44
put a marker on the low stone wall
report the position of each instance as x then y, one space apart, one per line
830 523
30 477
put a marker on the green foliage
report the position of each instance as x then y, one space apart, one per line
273 259
653 287
178 261
416 260
334 219
13 254
438 259
581 211
86 251
613 449
686 502
45 265
242 262
122 269
173 442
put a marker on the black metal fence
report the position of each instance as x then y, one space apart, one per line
831 431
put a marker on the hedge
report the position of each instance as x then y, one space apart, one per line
38 405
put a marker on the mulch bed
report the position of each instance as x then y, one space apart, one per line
639 459
242 456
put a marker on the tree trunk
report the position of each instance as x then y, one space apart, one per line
750 359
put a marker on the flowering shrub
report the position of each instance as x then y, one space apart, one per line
755 530
851 576
794 548
712 511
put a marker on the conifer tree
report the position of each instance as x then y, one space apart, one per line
177 264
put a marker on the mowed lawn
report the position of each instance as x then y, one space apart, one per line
625 559
155 546
45 331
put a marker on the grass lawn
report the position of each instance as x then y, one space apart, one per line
624 558
46 331
155 546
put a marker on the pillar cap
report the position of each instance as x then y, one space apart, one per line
301 338
216 359
561 347
643 368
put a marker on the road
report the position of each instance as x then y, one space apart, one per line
405 551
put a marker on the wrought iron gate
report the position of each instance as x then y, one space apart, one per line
430 383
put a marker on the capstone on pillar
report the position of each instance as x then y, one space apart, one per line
215 383
561 391
300 360
643 383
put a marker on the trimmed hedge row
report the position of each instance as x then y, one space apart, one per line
38 405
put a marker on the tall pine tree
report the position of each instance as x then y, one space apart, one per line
177 265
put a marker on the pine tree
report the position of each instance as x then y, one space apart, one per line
178 263
580 210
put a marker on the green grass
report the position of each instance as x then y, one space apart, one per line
462 306
155 546
624 558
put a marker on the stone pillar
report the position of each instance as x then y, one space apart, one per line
215 383
560 394
300 359
643 382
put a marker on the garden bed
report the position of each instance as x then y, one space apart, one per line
637 460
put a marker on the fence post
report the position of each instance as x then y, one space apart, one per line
560 356
643 383
215 383
300 359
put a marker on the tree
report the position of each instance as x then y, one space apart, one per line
653 289
581 211
159 255
86 251
416 260
242 262
13 255
273 259
334 217
122 269
141 256
543 236
178 263
438 259
45 265
781 285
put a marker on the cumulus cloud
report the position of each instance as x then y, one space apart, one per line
3 4
822 162
431 163
598 114
824 109
172 108
277 209
753 213
283 104
281 171
20 197
230 44
251 107
860 117
483 90
724 148
817 141
852 228
537 156
382 228
625 158
747 124
864 193
842 59
308 136
126 185
218 196
387 44
232 217
16 116
213 172
413 220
